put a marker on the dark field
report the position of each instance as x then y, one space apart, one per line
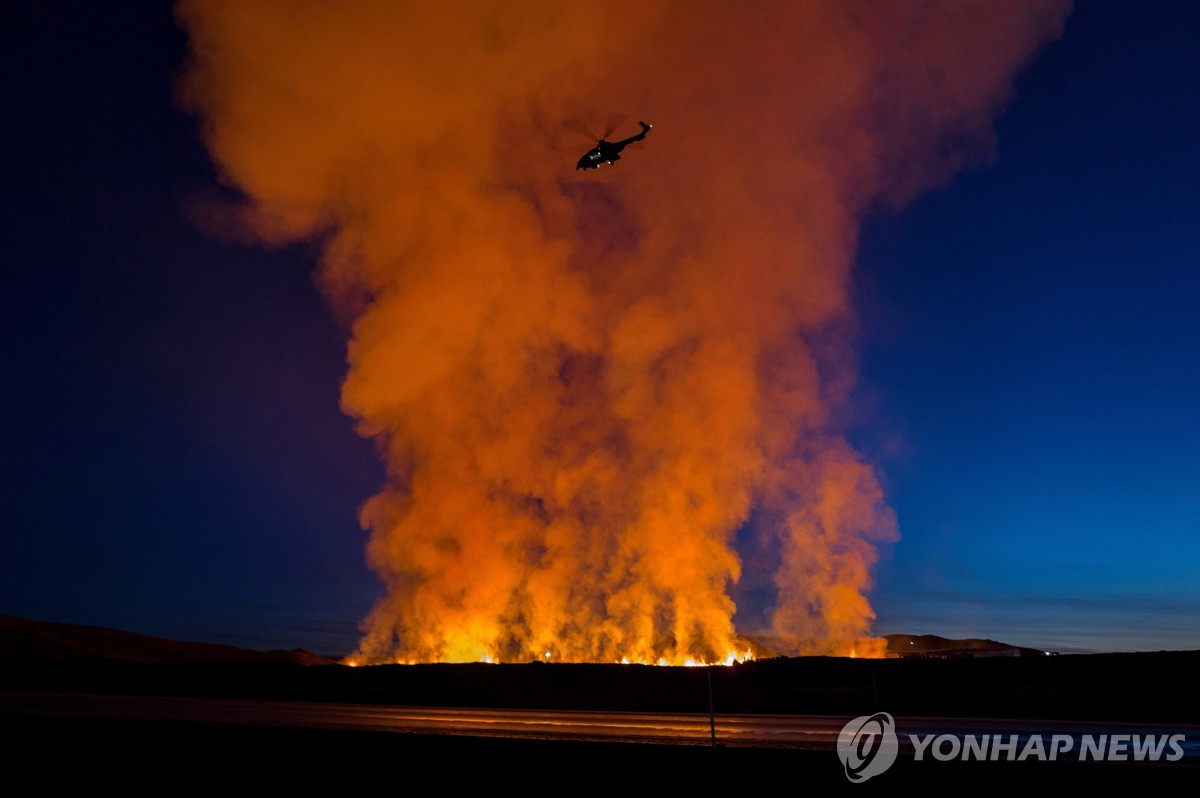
162 756
1148 687
117 748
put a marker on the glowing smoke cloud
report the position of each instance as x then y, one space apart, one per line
583 385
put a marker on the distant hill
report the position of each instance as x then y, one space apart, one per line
25 641
932 646
30 642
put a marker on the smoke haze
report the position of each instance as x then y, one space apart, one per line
585 384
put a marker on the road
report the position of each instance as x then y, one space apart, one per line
811 732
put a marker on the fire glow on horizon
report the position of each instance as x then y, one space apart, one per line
730 659
606 401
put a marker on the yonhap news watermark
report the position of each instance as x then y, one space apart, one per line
869 745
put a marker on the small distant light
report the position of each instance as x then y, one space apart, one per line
547 655
1046 653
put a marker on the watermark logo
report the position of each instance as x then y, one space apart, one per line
1043 748
867 746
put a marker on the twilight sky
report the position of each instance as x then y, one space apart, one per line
175 461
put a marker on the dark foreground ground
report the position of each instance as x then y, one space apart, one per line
165 757
1145 688
1152 688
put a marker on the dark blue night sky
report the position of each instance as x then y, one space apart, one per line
175 462
1030 356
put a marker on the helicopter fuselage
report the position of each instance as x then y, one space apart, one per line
607 152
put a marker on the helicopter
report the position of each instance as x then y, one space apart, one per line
605 152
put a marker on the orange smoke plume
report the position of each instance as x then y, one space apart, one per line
584 383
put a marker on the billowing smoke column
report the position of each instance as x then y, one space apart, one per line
584 384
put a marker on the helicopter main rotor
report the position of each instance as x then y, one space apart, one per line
575 124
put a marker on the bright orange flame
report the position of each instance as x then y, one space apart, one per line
584 385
